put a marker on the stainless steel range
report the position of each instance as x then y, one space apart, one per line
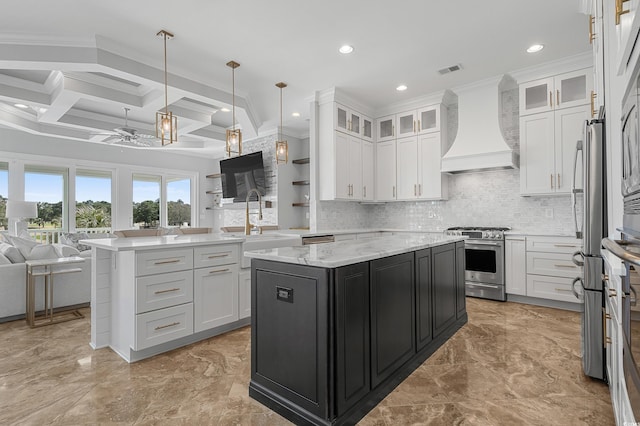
484 256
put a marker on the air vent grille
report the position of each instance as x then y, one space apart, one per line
452 68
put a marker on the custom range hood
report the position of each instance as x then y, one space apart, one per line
479 144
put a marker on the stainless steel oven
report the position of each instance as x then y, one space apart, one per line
484 257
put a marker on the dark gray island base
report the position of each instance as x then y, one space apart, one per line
329 343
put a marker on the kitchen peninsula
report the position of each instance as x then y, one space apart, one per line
338 326
153 294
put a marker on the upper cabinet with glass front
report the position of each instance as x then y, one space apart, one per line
352 122
560 91
418 122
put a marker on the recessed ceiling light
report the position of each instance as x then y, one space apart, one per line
346 49
23 106
401 88
295 114
225 109
535 48
42 110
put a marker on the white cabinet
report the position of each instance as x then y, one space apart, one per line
596 38
348 163
418 168
627 25
350 121
386 128
547 146
385 171
550 269
216 296
515 267
561 91
368 166
420 121
244 293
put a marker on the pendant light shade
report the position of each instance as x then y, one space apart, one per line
166 122
282 147
234 136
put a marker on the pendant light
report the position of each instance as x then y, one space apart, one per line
282 148
166 122
234 136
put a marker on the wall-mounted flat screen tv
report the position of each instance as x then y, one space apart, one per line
240 174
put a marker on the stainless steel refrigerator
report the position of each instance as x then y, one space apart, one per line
589 184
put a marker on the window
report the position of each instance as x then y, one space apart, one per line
4 193
47 186
93 201
178 201
146 201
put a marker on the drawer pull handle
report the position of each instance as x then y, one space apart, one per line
164 262
612 292
564 266
565 245
214 256
219 270
160 327
563 289
166 291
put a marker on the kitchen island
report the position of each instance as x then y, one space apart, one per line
336 327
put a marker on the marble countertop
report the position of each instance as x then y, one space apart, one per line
147 243
342 253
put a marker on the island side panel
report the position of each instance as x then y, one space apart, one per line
424 313
100 297
123 307
461 301
289 336
353 358
444 287
392 315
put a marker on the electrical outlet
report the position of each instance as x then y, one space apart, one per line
548 213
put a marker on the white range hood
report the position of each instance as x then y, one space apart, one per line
479 144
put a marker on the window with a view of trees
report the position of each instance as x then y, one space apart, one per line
93 199
4 193
178 201
46 186
146 200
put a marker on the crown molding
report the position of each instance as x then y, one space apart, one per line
570 63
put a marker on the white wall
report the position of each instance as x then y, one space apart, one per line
18 148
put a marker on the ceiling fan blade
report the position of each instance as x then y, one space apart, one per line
112 139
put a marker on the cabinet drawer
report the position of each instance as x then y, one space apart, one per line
215 255
554 288
554 244
163 325
160 261
163 290
553 264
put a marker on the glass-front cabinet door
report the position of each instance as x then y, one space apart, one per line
354 122
536 96
573 88
406 124
341 118
386 128
429 119
366 130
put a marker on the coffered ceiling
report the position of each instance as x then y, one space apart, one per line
76 64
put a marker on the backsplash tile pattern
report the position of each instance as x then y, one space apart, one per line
342 215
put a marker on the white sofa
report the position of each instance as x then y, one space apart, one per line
69 289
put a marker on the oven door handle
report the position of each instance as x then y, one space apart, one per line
478 243
482 285
633 300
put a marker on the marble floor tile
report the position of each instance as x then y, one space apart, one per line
512 364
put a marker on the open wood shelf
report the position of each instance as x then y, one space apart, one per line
300 228
213 192
300 182
300 204
301 161
215 175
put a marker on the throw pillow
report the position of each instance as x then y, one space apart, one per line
11 253
64 250
32 250
4 260
4 236
42 251
72 238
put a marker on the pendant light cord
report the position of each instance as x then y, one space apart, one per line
233 96
166 97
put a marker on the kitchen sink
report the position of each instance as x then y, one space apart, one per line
264 241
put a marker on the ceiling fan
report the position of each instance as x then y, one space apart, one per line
126 135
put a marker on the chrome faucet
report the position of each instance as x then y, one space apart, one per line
247 223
